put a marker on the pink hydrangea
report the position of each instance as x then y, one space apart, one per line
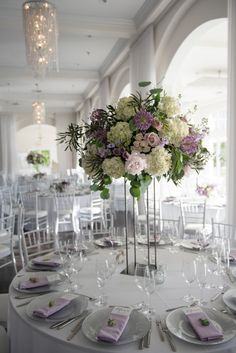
153 139
135 163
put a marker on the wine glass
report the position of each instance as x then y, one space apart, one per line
149 287
139 281
77 263
202 277
189 275
102 274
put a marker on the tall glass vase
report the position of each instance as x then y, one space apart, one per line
130 266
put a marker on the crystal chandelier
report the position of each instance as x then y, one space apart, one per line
38 112
41 34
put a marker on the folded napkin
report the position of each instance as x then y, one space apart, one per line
54 305
47 261
232 256
202 325
34 282
115 325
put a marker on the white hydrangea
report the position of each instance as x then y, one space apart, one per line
158 161
170 106
124 109
114 167
175 130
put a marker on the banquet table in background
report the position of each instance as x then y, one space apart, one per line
171 210
34 336
46 202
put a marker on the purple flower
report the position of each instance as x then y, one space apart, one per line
111 145
189 144
164 141
96 115
124 153
143 120
101 135
102 152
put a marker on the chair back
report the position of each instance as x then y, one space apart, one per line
7 255
224 231
37 242
193 212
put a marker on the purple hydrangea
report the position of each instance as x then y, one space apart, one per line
189 144
143 119
164 141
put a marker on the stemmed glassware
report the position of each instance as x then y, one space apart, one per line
149 286
139 281
102 275
189 274
202 277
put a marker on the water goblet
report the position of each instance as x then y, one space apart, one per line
189 275
139 281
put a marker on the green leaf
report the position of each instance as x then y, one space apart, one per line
135 183
144 83
135 192
155 91
94 187
107 180
105 194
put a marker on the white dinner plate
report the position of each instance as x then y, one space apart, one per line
76 306
229 298
103 244
189 245
161 242
51 287
137 326
179 326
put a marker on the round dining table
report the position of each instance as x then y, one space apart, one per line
28 335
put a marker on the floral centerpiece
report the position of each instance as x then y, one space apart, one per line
205 190
60 186
139 138
36 159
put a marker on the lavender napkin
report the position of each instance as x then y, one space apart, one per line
202 325
232 256
34 282
53 306
115 325
47 261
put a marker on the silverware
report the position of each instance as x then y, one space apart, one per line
181 306
160 331
141 343
28 296
168 336
60 324
23 304
78 326
147 337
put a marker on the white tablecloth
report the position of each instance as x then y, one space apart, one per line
171 210
31 336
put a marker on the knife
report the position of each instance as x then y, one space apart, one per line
78 326
60 324
147 338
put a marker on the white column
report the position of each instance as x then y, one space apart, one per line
142 60
231 128
8 153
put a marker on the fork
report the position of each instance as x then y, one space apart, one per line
168 336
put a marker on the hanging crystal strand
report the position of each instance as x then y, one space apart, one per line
126 229
134 234
148 233
155 227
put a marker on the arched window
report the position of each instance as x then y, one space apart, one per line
198 72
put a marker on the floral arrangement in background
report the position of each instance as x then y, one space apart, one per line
205 190
138 139
60 186
36 159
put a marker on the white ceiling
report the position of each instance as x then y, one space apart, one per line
92 35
